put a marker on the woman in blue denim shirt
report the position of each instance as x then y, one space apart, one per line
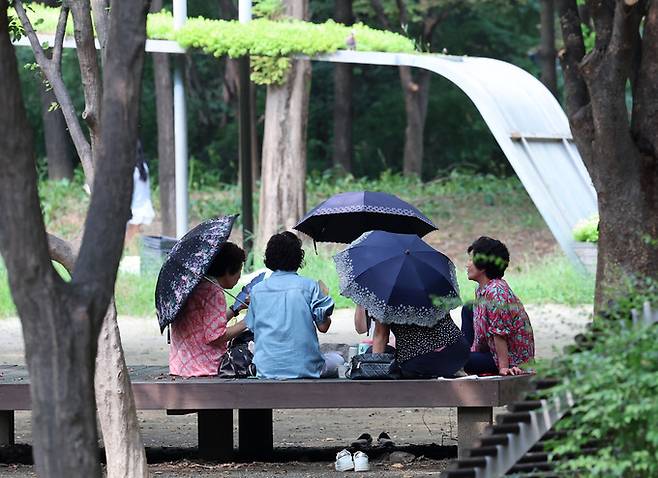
285 312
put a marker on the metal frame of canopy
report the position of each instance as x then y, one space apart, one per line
525 119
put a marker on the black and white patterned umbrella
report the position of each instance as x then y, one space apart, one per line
186 264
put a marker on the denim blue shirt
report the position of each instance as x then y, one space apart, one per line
283 313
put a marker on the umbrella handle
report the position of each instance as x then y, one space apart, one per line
224 290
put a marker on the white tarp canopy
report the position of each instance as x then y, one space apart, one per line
528 124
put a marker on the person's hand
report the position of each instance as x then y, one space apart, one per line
511 371
323 287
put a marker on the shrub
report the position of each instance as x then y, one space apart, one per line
614 384
587 230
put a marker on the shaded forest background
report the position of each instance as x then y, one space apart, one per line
456 137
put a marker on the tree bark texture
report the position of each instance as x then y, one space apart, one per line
547 53
61 321
164 98
342 138
283 190
58 143
620 150
416 98
117 413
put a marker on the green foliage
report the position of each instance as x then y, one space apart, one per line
614 384
260 38
587 230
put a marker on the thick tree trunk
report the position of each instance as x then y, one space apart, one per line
283 192
342 140
416 97
619 150
61 321
58 143
164 99
547 45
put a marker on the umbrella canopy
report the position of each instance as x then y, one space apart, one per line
186 264
345 216
398 278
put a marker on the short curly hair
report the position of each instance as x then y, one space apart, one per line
228 260
284 252
489 255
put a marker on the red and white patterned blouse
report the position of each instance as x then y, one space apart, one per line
497 311
193 351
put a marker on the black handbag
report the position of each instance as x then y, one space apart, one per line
374 367
237 361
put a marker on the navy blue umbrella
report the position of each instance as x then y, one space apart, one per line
345 216
186 264
398 278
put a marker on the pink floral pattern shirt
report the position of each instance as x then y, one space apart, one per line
497 311
193 351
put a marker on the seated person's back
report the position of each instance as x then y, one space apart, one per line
283 314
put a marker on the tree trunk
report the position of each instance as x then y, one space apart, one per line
61 321
255 143
416 97
547 45
283 192
619 150
164 94
116 405
58 142
342 140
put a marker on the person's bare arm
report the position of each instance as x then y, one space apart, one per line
503 357
380 338
360 320
232 332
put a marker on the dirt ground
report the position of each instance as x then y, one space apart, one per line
306 440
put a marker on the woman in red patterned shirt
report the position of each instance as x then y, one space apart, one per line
200 334
497 325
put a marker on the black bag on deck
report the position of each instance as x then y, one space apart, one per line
374 367
237 361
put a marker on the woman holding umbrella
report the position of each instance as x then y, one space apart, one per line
408 288
200 334
189 297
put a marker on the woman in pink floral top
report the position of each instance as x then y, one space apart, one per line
497 326
199 334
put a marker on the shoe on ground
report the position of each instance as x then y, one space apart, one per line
344 461
361 461
460 373
385 441
364 441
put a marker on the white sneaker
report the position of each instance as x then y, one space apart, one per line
344 461
361 461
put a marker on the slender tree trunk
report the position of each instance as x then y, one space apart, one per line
283 192
416 97
164 94
255 142
547 53
342 140
58 142
117 413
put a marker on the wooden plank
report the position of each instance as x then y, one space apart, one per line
176 393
